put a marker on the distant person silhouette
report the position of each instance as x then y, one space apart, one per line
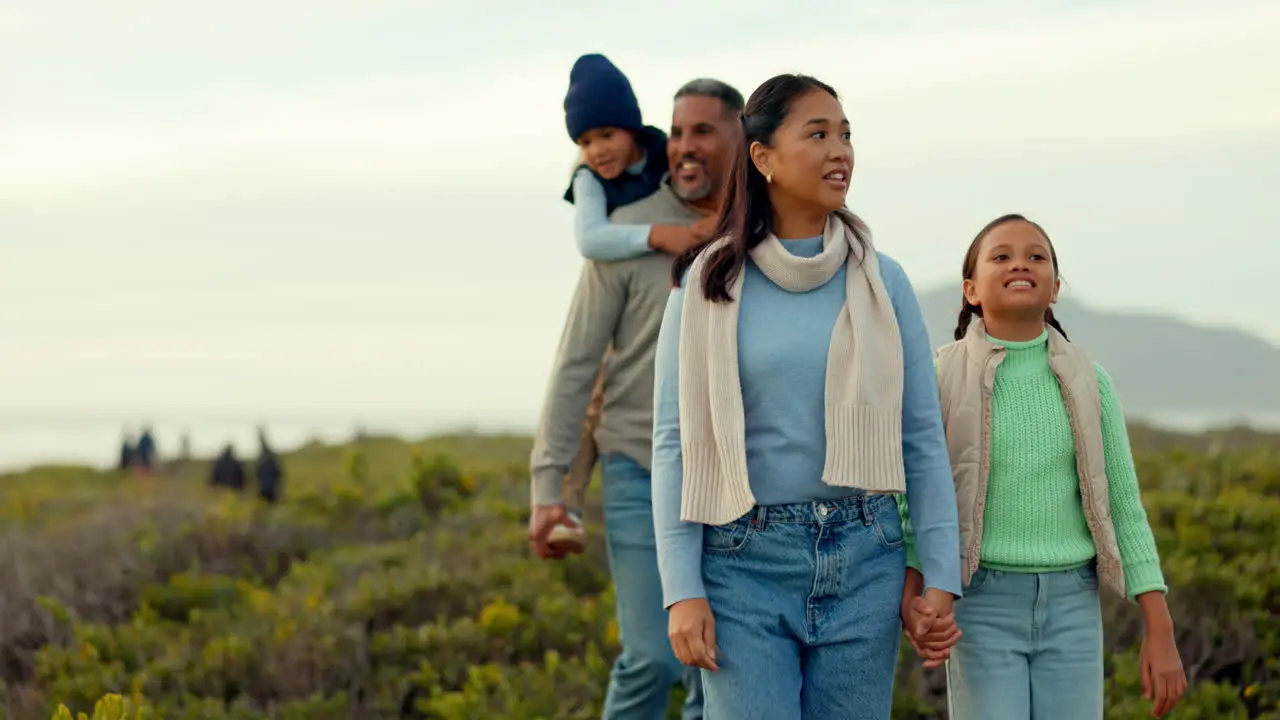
126 452
228 471
270 470
144 458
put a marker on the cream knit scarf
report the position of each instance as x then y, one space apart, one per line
863 386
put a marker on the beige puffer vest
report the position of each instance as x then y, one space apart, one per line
966 375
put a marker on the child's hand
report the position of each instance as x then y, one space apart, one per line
675 239
938 636
541 522
942 601
703 229
1163 678
931 635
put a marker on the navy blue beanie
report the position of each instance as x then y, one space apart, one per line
599 96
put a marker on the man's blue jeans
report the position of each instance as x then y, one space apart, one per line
646 671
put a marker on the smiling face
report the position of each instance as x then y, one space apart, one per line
1012 273
810 158
702 135
608 151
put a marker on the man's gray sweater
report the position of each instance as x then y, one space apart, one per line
619 304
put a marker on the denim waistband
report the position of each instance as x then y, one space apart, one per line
860 507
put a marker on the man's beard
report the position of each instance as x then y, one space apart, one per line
694 194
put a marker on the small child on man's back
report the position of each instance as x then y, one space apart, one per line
623 160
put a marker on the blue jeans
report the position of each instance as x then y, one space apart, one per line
647 669
805 599
1032 647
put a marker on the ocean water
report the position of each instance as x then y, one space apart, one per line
95 439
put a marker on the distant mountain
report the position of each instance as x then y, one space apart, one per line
1162 366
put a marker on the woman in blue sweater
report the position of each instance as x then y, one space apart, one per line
795 397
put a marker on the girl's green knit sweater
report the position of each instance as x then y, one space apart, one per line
1034 520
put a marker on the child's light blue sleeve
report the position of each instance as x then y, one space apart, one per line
679 542
597 238
931 493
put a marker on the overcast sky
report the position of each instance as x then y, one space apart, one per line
294 206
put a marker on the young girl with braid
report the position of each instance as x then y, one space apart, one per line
1049 504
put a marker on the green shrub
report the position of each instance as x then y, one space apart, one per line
390 585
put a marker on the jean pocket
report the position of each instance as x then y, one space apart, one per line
1086 576
729 538
976 581
888 524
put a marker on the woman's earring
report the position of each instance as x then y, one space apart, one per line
768 177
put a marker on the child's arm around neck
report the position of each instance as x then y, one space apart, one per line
597 238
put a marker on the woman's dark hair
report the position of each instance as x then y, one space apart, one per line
967 311
746 215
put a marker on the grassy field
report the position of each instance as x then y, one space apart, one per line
394 581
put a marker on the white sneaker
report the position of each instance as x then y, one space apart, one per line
569 536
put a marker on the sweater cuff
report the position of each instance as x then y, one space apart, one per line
548 488
939 562
639 241
1143 578
682 583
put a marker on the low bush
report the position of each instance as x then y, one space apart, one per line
395 581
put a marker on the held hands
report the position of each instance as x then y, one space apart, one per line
692 630
930 624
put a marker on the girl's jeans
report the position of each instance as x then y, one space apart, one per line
1032 647
805 599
